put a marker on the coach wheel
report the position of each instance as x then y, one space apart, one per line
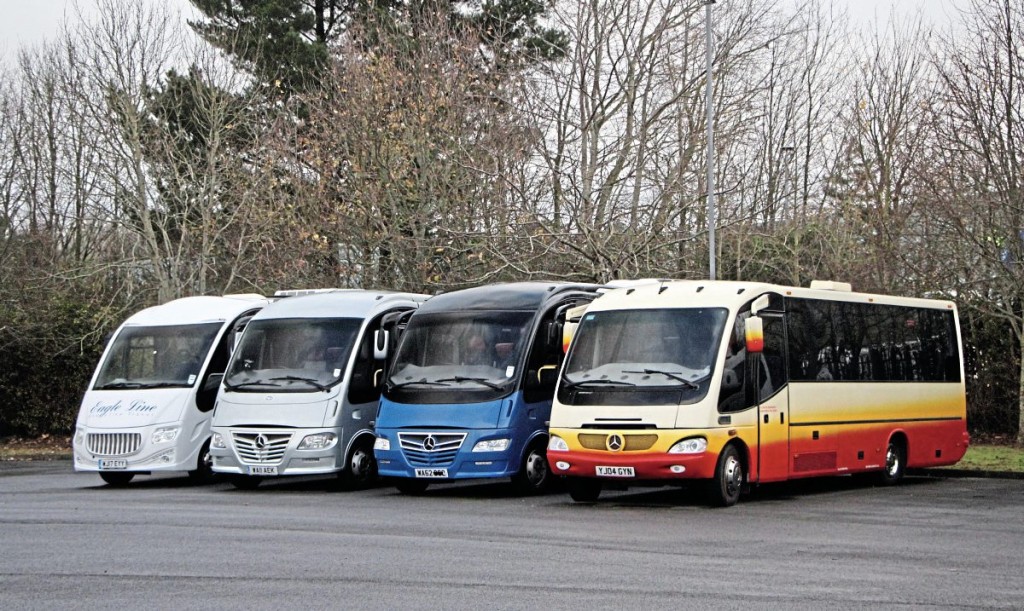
535 475
245 482
411 486
729 478
117 479
584 490
361 470
204 465
895 463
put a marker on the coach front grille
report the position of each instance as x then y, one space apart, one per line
259 448
114 444
431 449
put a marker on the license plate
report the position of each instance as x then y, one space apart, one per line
262 470
431 472
109 465
616 472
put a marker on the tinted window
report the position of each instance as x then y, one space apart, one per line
830 340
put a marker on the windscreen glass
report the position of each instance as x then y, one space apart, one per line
157 357
461 351
292 354
635 357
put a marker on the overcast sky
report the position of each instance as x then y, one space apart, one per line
31 21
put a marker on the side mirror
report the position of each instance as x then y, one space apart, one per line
212 382
572 321
380 344
207 395
753 331
553 335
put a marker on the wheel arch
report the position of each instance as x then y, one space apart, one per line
356 438
900 436
536 437
744 451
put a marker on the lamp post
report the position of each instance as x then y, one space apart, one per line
711 140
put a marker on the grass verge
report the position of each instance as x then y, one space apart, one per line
986 457
46 447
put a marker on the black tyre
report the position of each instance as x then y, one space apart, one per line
407 485
895 463
729 480
117 479
245 482
203 472
534 476
361 468
584 490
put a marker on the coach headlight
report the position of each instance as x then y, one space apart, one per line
317 441
693 445
491 445
165 434
557 444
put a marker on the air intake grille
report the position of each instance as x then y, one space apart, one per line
431 449
259 448
114 444
631 443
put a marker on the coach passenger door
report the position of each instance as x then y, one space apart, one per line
768 371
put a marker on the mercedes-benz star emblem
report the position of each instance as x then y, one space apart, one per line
614 443
429 443
261 441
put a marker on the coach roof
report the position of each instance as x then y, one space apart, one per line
335 304
196 310
510 296
733 294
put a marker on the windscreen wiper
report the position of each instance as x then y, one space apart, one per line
113 385
483 381
570 385
253 383
163 385
675 375
314 383
414 382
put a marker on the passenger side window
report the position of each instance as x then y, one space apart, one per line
218 362
545 358
768 370
773 359
732 397
368 373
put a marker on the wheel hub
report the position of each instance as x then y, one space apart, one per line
536 468
733 475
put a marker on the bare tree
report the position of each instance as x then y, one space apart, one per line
887 134
622 124
790 145
182 189
977 180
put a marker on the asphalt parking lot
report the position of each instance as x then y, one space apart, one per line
69 541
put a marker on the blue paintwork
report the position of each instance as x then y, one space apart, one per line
509 417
